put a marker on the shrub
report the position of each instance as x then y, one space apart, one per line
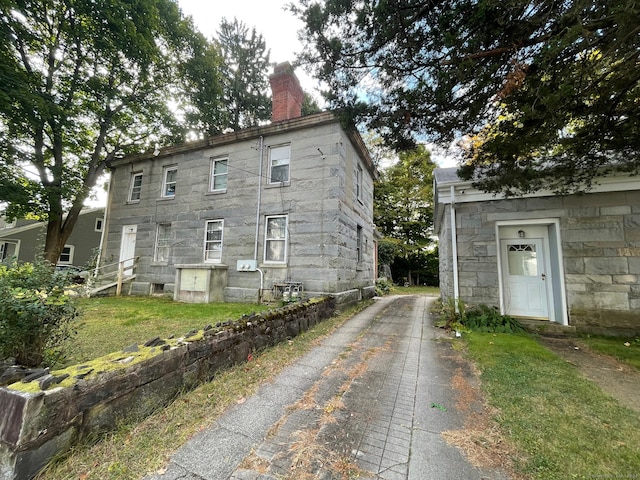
456 315
482 318
36 313
383 286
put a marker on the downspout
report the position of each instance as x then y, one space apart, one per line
454 248
255 248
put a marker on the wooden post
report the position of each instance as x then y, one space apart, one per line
120 274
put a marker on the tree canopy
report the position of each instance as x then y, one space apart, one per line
403 212
83 82
546 92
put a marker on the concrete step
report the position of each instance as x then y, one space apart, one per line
547 328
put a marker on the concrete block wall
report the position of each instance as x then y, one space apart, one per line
37 425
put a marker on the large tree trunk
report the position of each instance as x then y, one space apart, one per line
58 232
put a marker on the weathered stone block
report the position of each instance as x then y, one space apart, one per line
599 300
606 266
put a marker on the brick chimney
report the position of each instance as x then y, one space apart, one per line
287 93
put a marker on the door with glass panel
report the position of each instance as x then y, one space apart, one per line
525 278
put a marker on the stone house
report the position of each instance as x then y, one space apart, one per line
573 260
273 210
23 239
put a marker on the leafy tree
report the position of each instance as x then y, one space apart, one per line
245 81
548 91
403 211
81 83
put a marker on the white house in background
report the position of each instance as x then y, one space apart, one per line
573 260
241 216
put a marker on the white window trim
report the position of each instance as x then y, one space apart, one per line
156 244
131 186
213 175
288 180
206 229
99 226
267 240
165 173
71 252
359 243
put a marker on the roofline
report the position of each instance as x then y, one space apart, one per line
7 232
298 123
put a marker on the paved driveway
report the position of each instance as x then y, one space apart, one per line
370 402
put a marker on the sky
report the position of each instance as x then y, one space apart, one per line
278 27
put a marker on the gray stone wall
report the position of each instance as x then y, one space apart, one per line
600 238
323 213
35 426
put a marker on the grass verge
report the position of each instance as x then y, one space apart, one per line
625 350
136 449
109 324
419 290
564 424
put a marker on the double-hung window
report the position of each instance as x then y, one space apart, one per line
163 243
169 179
213 241
135 188
359 244
275 242
279 160
219 168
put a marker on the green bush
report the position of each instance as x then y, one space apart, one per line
456 315
36 313
482 318
383 286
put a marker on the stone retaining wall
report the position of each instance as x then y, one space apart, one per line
36 425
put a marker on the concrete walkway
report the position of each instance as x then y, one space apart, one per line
370 402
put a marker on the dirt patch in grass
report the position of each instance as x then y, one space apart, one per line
615 378
481 439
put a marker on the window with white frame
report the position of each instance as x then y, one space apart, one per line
359 243
213 241
66 256
163 243
279 160
99 224
136 187
169 181
219 168
275 242
359 182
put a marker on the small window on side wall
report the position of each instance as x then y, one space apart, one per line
279 161
99 224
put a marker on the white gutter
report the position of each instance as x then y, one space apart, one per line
454 248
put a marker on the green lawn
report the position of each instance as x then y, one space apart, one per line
565 425
419 290
625 350
109 324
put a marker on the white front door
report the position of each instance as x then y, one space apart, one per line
128 247
525 277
